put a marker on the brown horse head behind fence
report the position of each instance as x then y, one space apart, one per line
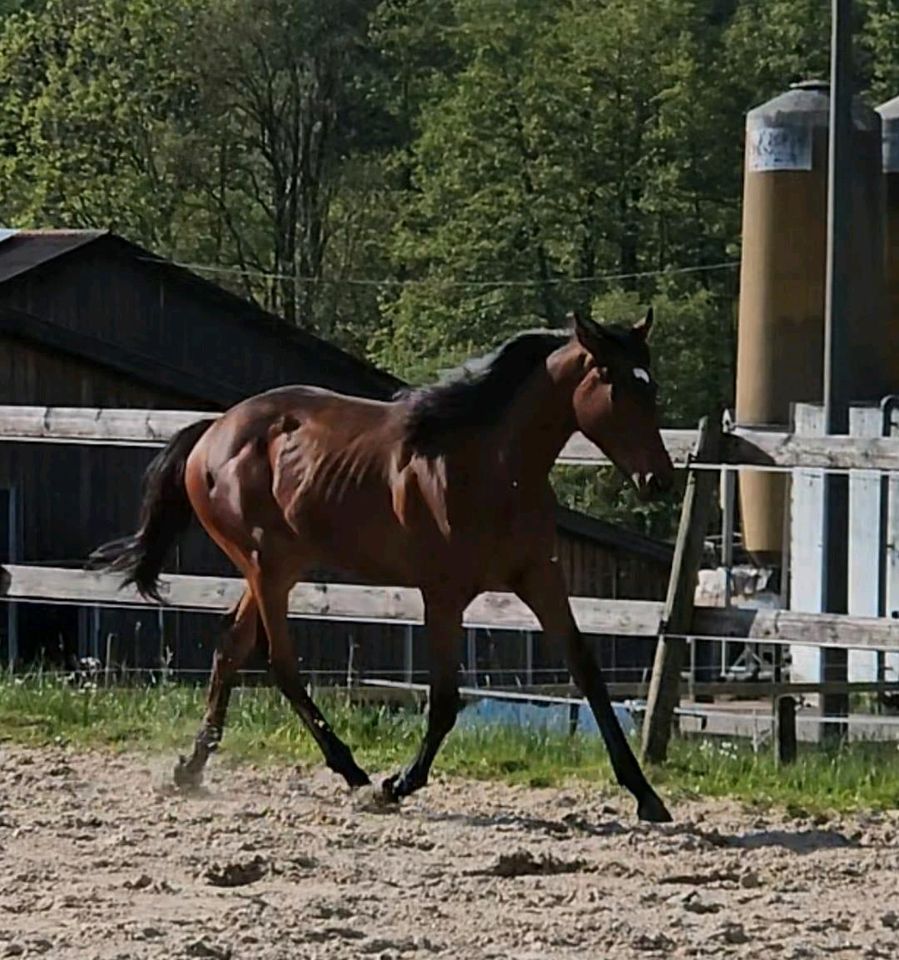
445 488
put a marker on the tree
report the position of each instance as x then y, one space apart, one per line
554 156
214 132
420 179
282 106
569 144
91 113
8 7
879 42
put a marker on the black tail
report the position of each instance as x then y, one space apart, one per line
165 513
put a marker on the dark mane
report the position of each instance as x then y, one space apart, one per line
477 393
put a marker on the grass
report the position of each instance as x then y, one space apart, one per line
45 709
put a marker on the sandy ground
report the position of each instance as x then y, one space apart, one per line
97 861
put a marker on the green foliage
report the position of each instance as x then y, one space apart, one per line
880 40
97 101
214 132
8 7
554 156
607 494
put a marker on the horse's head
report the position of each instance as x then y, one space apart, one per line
615 402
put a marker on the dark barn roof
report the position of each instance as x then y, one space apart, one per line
305 356
24 250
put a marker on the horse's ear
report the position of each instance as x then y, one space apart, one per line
643 326
589 333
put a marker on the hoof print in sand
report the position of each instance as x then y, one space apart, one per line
236 874
207 950
523 863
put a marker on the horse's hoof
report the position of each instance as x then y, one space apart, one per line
184 777
357 779
651 809
389 790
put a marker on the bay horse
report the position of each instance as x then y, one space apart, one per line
444 488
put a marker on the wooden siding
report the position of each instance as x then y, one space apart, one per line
69 499
593 570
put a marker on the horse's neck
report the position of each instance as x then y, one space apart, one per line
541 418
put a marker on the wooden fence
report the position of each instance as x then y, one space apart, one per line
675 620
501 611
746 448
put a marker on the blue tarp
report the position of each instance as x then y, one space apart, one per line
534 716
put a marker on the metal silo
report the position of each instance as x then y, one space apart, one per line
781 312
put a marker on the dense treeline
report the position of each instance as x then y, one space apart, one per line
416 179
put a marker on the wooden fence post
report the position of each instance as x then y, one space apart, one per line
664 686
786 730
408 653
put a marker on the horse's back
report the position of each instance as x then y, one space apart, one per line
337 477
332 417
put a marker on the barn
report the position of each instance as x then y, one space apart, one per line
88 318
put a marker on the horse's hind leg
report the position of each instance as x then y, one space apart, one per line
230 655
273 611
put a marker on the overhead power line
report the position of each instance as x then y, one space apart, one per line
470 284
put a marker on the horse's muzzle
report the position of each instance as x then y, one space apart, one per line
652 485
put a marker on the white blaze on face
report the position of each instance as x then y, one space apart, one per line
641 374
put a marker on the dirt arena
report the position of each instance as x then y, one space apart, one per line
97 861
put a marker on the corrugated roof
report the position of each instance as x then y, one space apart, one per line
27 249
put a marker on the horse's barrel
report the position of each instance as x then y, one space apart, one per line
780 350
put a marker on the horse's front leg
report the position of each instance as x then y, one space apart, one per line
443 622
543 589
